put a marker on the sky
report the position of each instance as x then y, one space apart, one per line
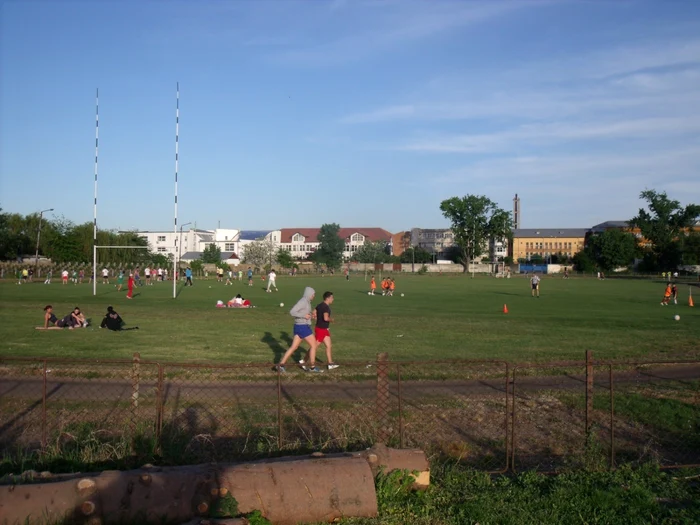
362 113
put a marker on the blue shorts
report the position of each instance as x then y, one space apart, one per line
303 330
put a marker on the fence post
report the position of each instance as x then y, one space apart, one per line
383 397
159 409
43 410
589 392
135 383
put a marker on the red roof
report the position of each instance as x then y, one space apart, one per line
311 234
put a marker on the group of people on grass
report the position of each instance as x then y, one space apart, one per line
76 319
388 286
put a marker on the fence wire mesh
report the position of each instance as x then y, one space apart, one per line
485 414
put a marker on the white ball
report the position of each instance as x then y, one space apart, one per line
210 287
369 293
281 305
401 295
677 317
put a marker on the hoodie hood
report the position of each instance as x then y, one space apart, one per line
309 293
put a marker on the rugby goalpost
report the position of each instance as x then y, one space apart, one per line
95 246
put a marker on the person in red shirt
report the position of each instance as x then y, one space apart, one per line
130 286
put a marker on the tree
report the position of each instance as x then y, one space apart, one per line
690 245
211 254
584 261
416 254
612 249
284 258
663 226
259 253
331 247
475 221
371 252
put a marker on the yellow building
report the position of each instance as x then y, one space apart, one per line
545 242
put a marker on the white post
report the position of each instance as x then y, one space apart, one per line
177 133
94 231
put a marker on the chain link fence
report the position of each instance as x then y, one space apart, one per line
492 415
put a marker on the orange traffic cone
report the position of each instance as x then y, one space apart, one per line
505 308
690 300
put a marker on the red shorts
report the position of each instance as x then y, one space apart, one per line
321 334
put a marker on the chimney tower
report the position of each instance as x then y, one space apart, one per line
516 212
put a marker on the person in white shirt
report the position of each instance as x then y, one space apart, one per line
105 276
160 274
271 277
535 282
147 273
64 276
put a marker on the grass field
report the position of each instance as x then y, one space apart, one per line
440 317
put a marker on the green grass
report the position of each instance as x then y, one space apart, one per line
462 496
440 317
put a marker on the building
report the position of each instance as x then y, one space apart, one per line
170 243
302 242
400 242
434 240
545 242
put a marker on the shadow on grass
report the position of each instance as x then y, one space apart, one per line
278 347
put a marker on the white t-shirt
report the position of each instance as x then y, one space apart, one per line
105 272
64 273
272 276
147 272
237 300
160 271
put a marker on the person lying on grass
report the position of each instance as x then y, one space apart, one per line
51 322
239 302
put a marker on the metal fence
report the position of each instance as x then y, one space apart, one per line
493 415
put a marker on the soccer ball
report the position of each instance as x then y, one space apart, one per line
401 295
369 293
677 317
210 287
281 305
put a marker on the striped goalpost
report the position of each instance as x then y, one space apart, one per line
177 133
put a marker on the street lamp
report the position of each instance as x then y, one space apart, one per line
38 236
180 241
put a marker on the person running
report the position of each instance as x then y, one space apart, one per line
188 276
219 274
147 274
535 283
392 286
48 277
303 313
322 330
137 277
74 277
130 286
105 276
120 280
240 275
667 295
229 275
271 277
250 276
25 275
372 286
674 293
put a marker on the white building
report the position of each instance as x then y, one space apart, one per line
170 243
302 242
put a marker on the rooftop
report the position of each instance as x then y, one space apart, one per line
550 232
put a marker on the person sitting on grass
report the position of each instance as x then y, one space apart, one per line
78 319
114 322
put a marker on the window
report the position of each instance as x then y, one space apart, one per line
358 237
161 238
162 249
230 247
298 237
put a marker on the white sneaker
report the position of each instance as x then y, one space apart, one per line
332 366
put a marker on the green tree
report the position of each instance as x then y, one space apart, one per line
612 249
584 261
331 247
662 225
476 220
259 253
159 259
371 252
211 254
416 254
284 258
690 245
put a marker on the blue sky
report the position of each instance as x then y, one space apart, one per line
363 113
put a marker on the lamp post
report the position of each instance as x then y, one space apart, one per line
180 246
38 236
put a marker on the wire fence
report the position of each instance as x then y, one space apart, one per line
493 415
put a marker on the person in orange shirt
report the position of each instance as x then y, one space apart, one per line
385 286
392 286
667 295
372 286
